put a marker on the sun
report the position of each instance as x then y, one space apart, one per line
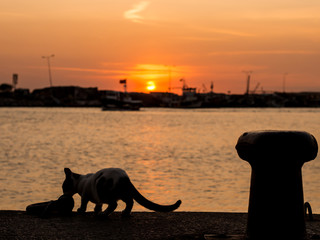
151 86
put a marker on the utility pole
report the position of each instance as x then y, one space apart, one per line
284 82
49 67
211 87
169 76
248 73
14 80
169 79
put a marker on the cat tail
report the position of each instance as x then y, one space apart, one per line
151 205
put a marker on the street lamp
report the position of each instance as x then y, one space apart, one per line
49 68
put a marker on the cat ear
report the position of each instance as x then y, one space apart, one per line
68 172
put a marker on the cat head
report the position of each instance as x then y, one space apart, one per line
69 183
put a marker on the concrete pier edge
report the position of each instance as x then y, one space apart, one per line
142 225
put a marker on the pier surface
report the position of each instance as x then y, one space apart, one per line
142 225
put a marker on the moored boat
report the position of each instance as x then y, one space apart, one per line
120 101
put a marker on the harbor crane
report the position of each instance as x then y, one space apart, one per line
204 88
256 88
49 67
248 73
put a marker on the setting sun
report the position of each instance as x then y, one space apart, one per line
147 41
151 86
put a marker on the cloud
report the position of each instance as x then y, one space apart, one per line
267 52
134 13
222 31
92 70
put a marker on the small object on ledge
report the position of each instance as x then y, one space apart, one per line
62 206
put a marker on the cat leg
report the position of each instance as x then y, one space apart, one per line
110 209
98 208
129 204
83 207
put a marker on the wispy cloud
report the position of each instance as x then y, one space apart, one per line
92 70
265 52
202 39
223 31
134 13
125 70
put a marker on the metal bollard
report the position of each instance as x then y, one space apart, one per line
276 205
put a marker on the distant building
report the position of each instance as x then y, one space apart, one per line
4 87
21 92
68 96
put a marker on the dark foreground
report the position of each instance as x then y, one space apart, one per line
142 225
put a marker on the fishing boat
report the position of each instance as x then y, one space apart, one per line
190 98
119 101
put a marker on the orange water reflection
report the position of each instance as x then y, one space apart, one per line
169 154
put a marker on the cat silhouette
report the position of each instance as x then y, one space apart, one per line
107 186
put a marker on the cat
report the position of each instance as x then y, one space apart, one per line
108 186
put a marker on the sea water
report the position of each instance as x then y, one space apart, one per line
169 154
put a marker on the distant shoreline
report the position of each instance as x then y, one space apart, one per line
72 96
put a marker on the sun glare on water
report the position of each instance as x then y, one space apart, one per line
151 86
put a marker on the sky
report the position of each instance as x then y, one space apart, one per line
158 42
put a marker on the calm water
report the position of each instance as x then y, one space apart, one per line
169 154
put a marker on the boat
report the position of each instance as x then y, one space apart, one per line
119 101
190 98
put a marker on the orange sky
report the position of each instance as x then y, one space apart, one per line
98 42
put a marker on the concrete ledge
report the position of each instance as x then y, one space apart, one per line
142 225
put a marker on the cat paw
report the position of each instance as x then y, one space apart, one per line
96 213
97 210
80 210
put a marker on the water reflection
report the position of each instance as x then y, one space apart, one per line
169 154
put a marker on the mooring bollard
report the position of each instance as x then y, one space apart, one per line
276 205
